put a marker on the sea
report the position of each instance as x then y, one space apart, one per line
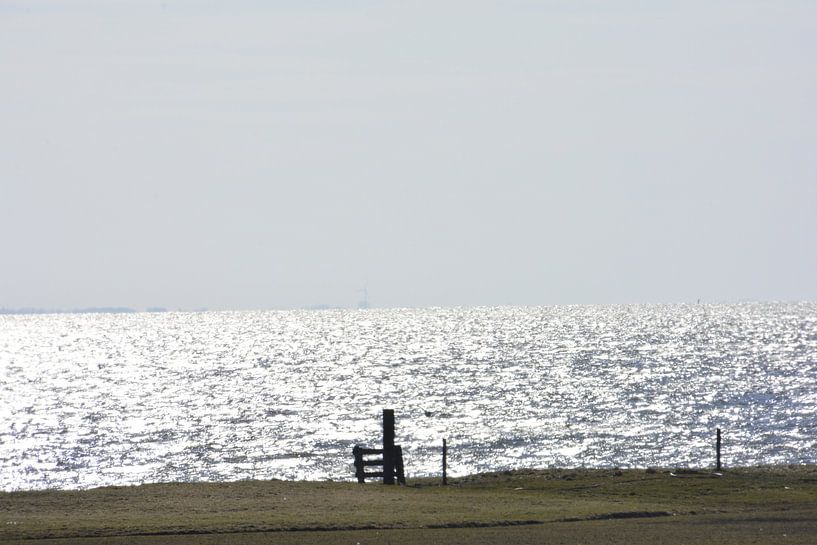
89 400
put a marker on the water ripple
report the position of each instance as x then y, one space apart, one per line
91 400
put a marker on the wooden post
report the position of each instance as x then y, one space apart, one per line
360 467
388 446
398 465
445 463
718 451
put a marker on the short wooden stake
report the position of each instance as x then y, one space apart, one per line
445 463
718 451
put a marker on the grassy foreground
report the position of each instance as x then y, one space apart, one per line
775 505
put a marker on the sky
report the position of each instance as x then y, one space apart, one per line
282 154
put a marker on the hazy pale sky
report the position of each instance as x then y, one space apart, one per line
253 154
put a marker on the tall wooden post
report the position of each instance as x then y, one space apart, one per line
445 463
388 446
718 450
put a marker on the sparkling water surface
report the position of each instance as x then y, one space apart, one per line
113 399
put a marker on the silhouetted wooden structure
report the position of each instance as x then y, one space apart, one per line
718 466
392 456
445 463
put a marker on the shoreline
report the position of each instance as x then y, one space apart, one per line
519 505
454 480
425 480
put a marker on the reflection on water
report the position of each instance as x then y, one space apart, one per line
89 400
